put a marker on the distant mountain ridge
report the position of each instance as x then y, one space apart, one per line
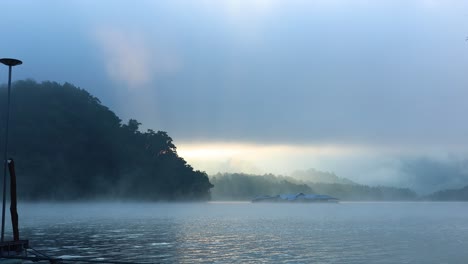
316 176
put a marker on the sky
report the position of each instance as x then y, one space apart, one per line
374 91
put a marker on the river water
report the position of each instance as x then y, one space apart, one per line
237 232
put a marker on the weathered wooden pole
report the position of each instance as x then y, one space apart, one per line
13 201
10 63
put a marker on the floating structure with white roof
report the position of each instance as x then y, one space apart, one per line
299 197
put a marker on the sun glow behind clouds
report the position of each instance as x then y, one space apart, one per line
361 163
257 158
223 150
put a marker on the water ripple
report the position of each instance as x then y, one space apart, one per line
251 233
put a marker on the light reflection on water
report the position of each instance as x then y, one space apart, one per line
250 233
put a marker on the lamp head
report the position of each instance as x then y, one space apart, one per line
11 62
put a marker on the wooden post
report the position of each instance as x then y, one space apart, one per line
13 202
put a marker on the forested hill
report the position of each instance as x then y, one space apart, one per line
240 186
450 195
67 145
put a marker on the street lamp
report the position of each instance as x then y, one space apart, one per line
10 63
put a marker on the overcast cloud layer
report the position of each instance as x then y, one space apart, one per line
388 76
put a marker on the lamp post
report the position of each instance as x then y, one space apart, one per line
10 63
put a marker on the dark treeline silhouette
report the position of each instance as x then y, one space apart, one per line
245 187
67 145
450 195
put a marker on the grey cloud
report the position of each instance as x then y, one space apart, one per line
426 175
312 74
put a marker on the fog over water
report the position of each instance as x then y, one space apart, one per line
250 233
